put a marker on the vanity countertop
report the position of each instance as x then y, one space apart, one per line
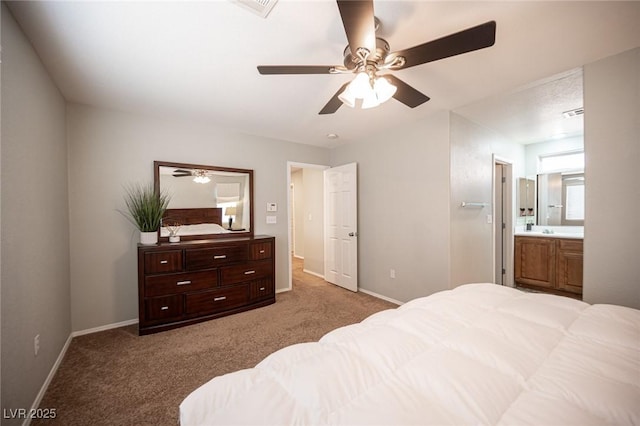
573 235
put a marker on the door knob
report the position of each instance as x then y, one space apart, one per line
353 234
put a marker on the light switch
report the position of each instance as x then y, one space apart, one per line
272 219
272 207
489 218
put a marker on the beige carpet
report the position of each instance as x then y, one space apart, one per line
116 377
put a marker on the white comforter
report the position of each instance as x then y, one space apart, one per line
479 354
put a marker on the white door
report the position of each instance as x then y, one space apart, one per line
341 226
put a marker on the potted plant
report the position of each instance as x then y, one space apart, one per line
145 208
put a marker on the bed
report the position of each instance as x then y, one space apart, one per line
477 354
190 222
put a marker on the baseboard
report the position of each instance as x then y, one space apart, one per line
315 274
379 296
48 380
104 327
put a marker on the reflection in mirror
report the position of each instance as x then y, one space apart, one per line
561 199
526 200
206 201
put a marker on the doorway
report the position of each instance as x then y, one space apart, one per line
305 218
503 221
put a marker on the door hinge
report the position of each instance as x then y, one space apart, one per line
504 179
504 226
504 271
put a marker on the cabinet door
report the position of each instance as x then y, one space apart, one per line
570 265
535 261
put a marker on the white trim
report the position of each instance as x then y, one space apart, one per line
104 327
306 271
47 382
508 220
379 296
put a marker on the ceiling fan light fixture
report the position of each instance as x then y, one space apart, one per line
201 176
347 97
383 89
371 100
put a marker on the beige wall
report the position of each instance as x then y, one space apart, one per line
403 208
35 225
472 150
612 154
108 150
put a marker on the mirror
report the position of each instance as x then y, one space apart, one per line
206 201
561 199
526 197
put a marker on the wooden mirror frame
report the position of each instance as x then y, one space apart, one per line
203 211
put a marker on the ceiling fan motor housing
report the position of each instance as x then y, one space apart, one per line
353 62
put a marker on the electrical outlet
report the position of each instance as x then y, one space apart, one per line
36 345
392 273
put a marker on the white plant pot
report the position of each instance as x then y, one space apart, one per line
149 238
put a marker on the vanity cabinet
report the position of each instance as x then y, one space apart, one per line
193 281
549 264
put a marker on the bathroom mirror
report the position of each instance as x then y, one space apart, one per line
206 201
561 199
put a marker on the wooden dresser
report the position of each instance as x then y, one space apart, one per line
549 264
192 281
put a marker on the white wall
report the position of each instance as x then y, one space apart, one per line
313 217
298 213
472 150
403 208
35 226
534 150
612 199
108 150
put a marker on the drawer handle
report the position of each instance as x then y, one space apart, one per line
221 256
261 288
261 251
217 299
250 272
164 308
164 262
183 282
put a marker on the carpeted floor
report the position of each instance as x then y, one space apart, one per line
116 377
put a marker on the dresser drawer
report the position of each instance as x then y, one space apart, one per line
259 251
216 300
159 308
261 289
213 257
247 272
163 261
158 285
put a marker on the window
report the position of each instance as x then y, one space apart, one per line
568 161
574 198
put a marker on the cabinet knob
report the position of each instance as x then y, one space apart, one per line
261 288
164 308
261 251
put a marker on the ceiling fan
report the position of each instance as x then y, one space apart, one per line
200 176
366 55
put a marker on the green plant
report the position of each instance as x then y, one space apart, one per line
145 206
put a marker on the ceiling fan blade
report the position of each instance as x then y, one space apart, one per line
334 103
468 40
359 24
405 93
297 69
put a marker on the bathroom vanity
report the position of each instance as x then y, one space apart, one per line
551 263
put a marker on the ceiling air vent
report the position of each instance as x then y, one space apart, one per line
259 7
573 113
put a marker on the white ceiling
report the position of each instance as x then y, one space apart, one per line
199 59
